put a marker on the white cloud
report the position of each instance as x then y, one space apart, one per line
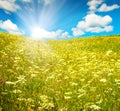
108 28
96 20
93 4
10 27
40 33
93 23
105 8
77 31
100 29
9 5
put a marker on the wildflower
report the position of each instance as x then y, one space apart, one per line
74 84
21 99
30 100
63 109
82 80
109 52
80 95
68 93
17 91
67 97
32 105
33 75
81 91
94 107
21 77
66 77
100 101
40 108
50 105
110 74
117 81
44 98
96 75
103 80
51 77
10 83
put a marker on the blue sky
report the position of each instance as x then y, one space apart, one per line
60 19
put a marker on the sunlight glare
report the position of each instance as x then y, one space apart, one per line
38 33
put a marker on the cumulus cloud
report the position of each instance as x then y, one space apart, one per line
10 27
98 5
40 33
93 23
9 5
105 8
78 31
93 4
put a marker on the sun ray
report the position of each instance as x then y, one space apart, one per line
35 14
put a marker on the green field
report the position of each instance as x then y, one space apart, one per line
64 75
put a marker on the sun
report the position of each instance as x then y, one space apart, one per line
39 33
36 32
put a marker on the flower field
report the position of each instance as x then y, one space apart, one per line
59 75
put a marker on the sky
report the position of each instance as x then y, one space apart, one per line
60 19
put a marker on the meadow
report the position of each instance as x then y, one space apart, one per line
81 74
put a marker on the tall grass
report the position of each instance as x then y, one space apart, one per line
64 75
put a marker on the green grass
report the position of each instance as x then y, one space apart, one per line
64 75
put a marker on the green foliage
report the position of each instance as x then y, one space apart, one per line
64 75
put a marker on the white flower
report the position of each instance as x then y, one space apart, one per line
51 105
44 98
68 93
33 75
67 97
74 84
81 91
21 99
29 100
109 52
117 81
10 83
103 80
100 101
94 107
79 96
21 77
17 91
